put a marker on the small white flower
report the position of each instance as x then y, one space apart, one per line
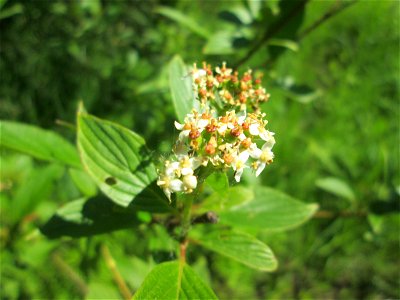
189 183
169 185
239 164
264 156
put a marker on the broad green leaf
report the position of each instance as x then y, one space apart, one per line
83 182
232 197
181 88
241 247
118 161
86 217
337 187
183 20
39 143
220 43
269 210
173 280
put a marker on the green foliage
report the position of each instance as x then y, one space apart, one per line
241 247
173 280
269 210
38 142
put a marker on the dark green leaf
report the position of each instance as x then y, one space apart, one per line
241 247
173 280
86 217
39 143
118 161
271 210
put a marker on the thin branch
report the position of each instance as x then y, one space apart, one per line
66 270
110 262
273 30
324 214
336 9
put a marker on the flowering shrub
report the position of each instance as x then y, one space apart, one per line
220 127
228 130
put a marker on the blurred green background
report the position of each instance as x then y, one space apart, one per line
332 68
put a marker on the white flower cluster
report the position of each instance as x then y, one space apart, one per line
224 139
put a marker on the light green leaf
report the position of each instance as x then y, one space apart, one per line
241 247
220 43
183 20
269 210
181 88
222 201
37 188
285 43
173 280
118 161
218 181
39 143
83 182
337 187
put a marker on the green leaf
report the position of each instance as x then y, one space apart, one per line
183 20
83 182
37 188
118 161
337 187
220 43
39 143
181 88
222 201
218 181
86 217
285 43
269 210
241 247
173 280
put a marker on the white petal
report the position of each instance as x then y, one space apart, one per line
255 152
238 174
190 181
176 185
179 126
244 156
260 168
186 171
195 162
222 129
184 134
202 123
253 129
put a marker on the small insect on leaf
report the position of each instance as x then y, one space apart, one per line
110 181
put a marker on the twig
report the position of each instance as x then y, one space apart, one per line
336 9
110 262
324 214
70 273
273 30
66 124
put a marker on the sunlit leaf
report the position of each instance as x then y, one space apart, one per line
39 143
241 247
222 201
173 280
118 161
269 210
337 187
220 43
181 88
